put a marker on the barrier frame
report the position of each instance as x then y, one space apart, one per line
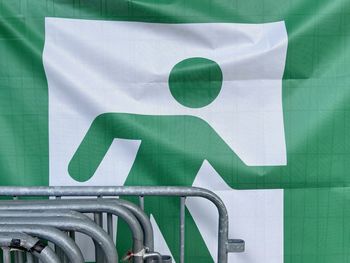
49 233
28 244
225 245
71 223
135 218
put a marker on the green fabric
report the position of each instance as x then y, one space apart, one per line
195 82
316 86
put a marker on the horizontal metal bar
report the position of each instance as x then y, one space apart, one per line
134 191
121 208
74 224
28 243
50 234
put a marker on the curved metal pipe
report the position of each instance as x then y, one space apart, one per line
138 213
51 234
74 224
93 205
223 239
48 213
142 218
30 244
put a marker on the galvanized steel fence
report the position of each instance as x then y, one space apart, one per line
56 220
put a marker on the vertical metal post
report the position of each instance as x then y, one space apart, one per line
182 229
15 256
98 218
72 235
65 259
6 255
58 250
142 202
18 256
110 225
142 206
30 258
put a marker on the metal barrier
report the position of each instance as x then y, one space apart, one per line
24 242
24 213
50 234
51 208
71 223
225 245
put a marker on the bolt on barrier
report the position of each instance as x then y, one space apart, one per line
26 243
225 245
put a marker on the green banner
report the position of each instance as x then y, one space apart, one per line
245 98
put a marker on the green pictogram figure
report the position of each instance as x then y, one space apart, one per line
172 151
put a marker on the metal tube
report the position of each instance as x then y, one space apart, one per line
87 206
26 242
17 258
69 223
110 225
51 234
182 229
141 217
98 252
29 258
59 251
47 255
72 235
53 213
20 257
142 202
134 191
6 255
30 213
64 256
